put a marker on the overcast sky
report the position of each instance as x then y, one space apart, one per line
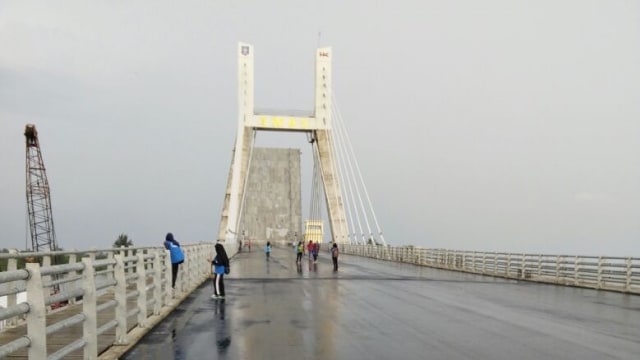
500 125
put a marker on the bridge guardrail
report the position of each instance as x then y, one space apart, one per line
597 272
142 273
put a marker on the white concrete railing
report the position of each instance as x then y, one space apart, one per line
597 272
117 271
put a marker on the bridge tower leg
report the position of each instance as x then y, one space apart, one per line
318 124
328 166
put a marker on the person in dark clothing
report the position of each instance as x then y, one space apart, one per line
267 249
220 267
177 256
299 252
334 256
315 251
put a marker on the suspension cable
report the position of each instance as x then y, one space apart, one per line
350 147
348 181
352 179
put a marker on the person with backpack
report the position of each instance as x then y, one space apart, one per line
334 256
220 264
177 256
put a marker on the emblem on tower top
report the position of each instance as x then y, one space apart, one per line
244 50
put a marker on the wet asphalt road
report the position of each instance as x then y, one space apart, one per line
379 310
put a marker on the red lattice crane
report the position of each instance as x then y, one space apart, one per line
43 235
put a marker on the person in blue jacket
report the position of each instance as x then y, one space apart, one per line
220 267
267 249
177 256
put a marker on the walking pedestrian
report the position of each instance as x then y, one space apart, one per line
267 249
299 252
316 250
310 248
334 256
176 254
220 267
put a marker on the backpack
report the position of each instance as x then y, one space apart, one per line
177 256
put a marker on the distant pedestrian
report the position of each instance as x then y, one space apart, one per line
316 251
177 256
334 256
221 267
267 249
310 248
299 252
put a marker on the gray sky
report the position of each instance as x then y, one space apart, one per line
479 125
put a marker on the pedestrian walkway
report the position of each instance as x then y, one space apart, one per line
381 310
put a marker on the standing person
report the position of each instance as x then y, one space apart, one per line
310 248
220 267
299 252
177 256
267 249
334 256
316 250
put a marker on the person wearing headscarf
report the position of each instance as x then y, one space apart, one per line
221 267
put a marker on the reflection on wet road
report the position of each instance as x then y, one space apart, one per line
379 310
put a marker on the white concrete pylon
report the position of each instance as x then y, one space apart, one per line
318 124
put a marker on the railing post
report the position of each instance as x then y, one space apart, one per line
89 300
576 271
110 273
187 267
523 267
157 282
202 261
168 291
197 265
46 262
627 286
539 264
73 258
121 299
599 284
125 252
182 268
12 299
36 317
141 286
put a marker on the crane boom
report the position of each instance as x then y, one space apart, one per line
43 235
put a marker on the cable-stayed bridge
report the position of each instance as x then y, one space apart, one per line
384 301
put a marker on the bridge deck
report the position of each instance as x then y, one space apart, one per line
375 309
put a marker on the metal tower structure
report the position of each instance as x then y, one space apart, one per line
318 125
43 235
